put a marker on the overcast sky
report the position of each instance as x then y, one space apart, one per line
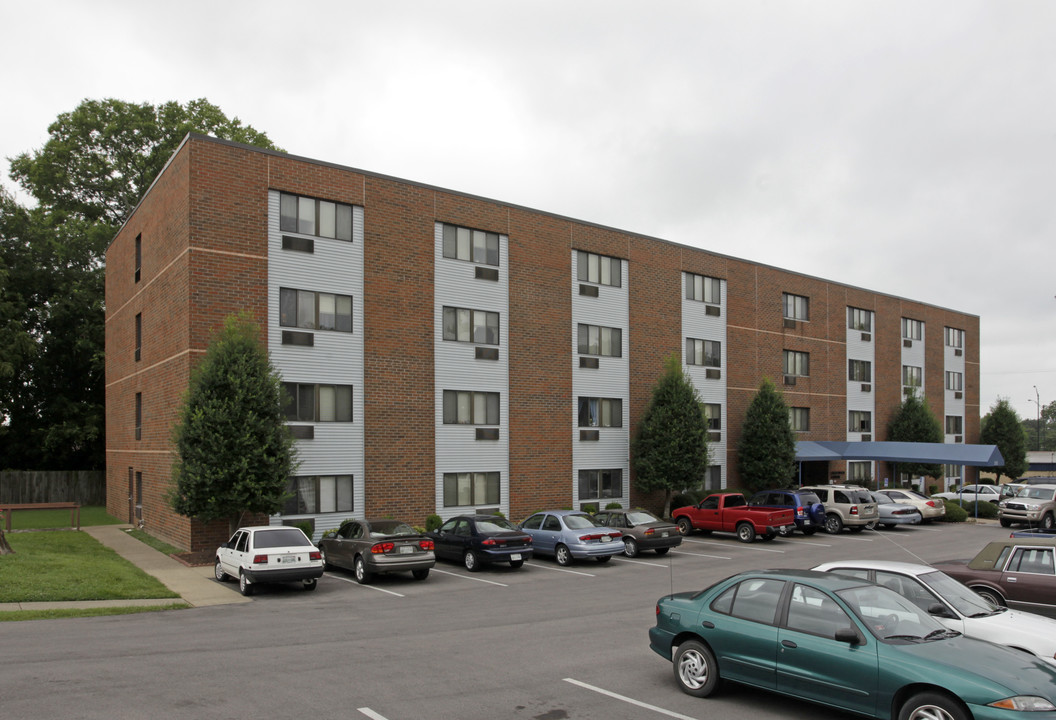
907 147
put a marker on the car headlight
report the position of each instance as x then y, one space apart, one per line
1024 703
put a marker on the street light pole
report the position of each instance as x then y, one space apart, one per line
1037 404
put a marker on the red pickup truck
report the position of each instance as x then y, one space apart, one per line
729 512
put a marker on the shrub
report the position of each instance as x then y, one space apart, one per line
591 509
954 512
983 509
614 506
307 527
932 489
433 522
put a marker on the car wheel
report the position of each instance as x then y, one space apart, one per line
244 586
833 524
604 558
932 706
871 525
563 555
809 531
685 527
420 574
1046 522
695 669
1005 522
310 584
359 569
630 547
322 556
471 561
991 596
662 551
745 532
516 563
218 572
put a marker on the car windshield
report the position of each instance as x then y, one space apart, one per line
890 616
1036 493
279 537
636 517
966 601
390 528
578 522
493 525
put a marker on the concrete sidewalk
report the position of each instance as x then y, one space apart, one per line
195 585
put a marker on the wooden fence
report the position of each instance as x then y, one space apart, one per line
87 487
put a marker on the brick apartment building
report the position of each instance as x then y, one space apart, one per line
447 352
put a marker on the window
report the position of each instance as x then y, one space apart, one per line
954 338
600 484
812 611
318 403
1032 560
606 341
471 245
859 319
315 310
600 412
707 353
954 425
796 307
797 363
912 329
139 335
859 371
753 599
860 472
319 494
712 415
139 257
912 376
471 488
464 407
471 326
799 418
139 416
860 421
598 269
954 380
713 477
309 216
703 289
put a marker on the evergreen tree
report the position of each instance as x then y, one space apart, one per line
915 422
670 449
1002 427
767 450
235 452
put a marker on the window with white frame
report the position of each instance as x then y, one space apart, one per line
465 407
703 289
954 338
600 484
912 329
470 245
315 310
604 341
797 363
310 216
600 412
318 403
796 307
599 269
712 415
799 418
859 319
706 353
912 376
954 380
471 326
860 421
859 473
859 371
713 477
471 488
318 494
954 425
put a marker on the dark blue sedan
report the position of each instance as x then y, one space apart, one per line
477 540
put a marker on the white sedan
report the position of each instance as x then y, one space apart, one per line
974 493
955 606
268 554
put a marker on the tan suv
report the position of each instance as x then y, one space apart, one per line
1033 505
846 505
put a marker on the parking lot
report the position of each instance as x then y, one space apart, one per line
543 641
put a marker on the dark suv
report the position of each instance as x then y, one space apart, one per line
809 512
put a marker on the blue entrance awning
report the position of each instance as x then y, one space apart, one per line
908 452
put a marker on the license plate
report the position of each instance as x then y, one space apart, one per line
406 549
663 534
606 538
288 558
515 556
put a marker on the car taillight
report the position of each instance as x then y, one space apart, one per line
932 503
615 535
801 512
597 536
658 609
650 531
854 510
426 544
260 559
382 548
315 555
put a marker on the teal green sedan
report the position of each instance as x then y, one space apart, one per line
845 643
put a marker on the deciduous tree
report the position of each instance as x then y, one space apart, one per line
914 422
1002 427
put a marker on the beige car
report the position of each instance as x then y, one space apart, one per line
929 509
849 506
1033 505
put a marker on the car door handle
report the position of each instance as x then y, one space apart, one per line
708 624
1011 579
789 644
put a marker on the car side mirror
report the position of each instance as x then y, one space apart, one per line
939 610
848 635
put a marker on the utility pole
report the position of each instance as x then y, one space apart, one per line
1037 404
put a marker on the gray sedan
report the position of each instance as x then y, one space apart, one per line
894 513
374 547
641 531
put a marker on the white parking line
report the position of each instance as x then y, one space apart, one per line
651 563
371 714
632 701
369 587
809 542
557 569
746 546
714 557
466 577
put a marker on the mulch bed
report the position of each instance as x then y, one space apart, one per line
195 559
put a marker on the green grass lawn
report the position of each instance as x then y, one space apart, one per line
42 519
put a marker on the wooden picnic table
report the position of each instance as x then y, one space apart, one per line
74 508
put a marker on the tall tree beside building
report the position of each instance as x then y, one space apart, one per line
98 161
914 422
670 449
235 453
766 454
1002 427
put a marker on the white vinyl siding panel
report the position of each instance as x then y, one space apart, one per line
335 266
696 323
953 405
457 368
858 399
914 356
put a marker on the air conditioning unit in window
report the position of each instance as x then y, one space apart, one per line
588 290
790 379
589 435
588 362
906 342
867 438
958 395
958 438
486 353
866 387
867 337
714 436
713 374
486 273
487 433
712 310
958 352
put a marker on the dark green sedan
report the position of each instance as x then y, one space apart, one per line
845 643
